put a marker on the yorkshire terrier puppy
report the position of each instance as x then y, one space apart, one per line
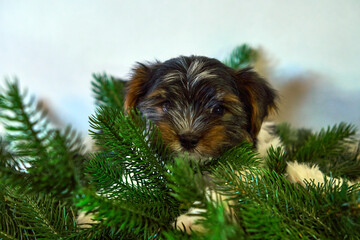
200 106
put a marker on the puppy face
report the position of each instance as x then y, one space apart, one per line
200 106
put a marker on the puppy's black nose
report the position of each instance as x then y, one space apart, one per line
188 140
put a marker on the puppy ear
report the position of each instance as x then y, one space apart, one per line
258 95
137 85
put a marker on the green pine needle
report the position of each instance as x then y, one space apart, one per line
136 190
145 219
29 216
276 160
327 143
42 159
242 56
132 142
108 91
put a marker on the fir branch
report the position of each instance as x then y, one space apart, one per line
114 182
261 223
21 119
29 216
180 174
9 226
43 159
216 218
108 91
303 211
272 191
144 220
219 223
98 231
242 56
130 173
42 216
241 156
334 150
326 144
276 160
132 142
291 138
346 165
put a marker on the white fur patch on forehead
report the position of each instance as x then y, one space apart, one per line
194 68
196 72
193 73
173 77
186 79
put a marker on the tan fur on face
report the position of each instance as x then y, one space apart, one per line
259 95
157 93
135 87
256 121
231 98
209 145
168 135
212 141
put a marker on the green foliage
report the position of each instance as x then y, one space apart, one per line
276 160
242 56
292 139
218 223
143 220
53 219
190 195
43 159
335 150
108 91
132 145
326 144
29 216
298 212
242 156
130 176
135 189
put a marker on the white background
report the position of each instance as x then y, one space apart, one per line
310 49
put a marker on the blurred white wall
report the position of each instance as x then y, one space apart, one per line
311 49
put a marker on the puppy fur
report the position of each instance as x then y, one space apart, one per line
200 106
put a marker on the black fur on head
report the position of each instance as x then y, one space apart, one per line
200 106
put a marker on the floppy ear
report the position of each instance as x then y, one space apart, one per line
137 85
258 96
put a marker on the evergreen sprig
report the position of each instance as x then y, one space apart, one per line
53 220
335 150
327 143
108 90
241 56
143 220
43 159
34 216
131 142
276 160
129 174
310 212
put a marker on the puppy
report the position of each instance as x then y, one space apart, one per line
200 106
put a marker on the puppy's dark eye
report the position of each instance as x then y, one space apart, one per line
218 110
166 106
